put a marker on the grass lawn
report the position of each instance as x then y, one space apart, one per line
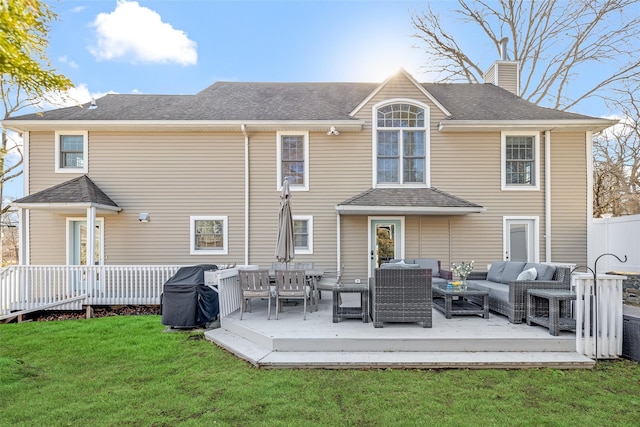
125 370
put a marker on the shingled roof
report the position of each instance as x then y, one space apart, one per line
407 201
296 101
80 191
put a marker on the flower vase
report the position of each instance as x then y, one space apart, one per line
463 283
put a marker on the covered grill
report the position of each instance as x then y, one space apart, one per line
186 300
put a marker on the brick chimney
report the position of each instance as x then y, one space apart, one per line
504 73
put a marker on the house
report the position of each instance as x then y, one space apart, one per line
458 172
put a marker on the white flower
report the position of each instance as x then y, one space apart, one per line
463 270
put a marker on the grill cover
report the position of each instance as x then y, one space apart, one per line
186 301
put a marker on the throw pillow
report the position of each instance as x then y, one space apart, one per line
529 274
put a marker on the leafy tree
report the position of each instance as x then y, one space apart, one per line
26 75
556 41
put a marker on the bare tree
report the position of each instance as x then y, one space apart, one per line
616 175
556 42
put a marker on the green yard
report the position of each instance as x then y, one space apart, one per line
125 370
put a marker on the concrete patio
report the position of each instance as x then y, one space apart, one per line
461 342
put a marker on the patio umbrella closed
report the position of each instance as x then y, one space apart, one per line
285 242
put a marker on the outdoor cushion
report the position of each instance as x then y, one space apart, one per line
431 263
529 274
398 265
496 290
495 271
545 272
511 271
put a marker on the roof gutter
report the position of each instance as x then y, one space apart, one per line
67 206
593 125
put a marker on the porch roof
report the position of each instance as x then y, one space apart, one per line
78 193
407 201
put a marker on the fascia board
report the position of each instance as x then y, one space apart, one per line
595 125
405 210
66 206
186 125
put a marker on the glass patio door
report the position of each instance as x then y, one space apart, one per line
386 241
78 242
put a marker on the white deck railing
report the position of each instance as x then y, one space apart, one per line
25 288
599 325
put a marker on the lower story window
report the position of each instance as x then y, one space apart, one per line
209 235
303 234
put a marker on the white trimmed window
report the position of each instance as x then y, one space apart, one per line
303 234
401 146
72 149
520 160
293 159
209 235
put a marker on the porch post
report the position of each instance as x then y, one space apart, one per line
23 241
91 235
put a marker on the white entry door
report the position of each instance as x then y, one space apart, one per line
521 239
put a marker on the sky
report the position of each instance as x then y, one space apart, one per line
182 47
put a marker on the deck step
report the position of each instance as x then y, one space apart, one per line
268 359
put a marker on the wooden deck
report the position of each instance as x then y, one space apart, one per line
460 342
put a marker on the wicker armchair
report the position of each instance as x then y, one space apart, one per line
401 295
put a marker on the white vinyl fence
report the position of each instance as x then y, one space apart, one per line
619 236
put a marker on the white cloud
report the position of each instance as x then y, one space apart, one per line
70 62
75 96
138 34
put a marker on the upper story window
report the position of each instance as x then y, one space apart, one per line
520 160
209 235
401 144
71 152
293 159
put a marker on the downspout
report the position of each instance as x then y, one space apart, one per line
547 195
338 240
243 128
591 254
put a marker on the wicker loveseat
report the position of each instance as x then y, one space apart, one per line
507 294
401 295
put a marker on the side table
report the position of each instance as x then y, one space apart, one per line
551 308
342 312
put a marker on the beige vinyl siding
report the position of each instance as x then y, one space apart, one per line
503 74
339 168
568 197
171 176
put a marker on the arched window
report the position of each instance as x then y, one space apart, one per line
401 144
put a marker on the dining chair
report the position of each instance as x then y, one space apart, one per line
254 284
291 284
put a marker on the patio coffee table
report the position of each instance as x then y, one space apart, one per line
443 300
341 312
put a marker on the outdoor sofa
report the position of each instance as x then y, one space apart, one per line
401 295
508 282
